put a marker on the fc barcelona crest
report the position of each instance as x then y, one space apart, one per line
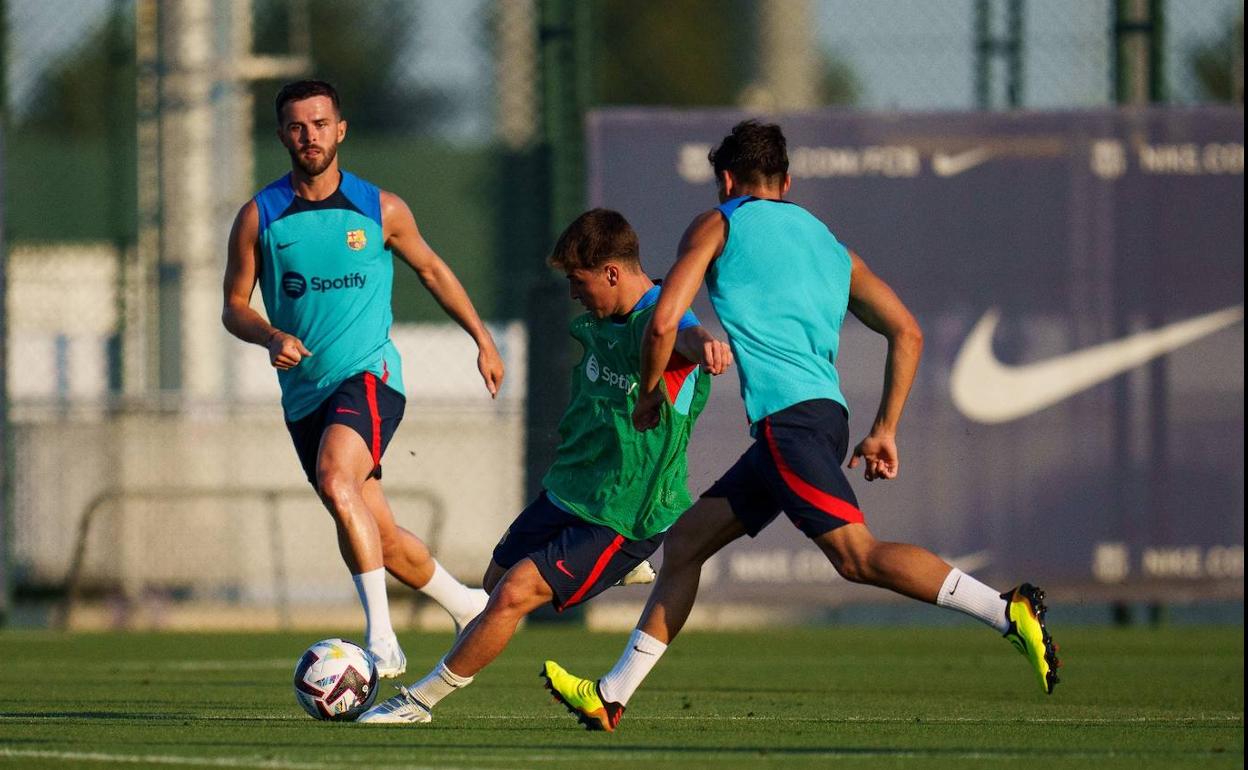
356 240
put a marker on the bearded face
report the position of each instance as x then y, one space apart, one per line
311 131
313 159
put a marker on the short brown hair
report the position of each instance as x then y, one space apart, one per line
595 238
754 152
305 89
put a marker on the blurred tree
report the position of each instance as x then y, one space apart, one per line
359 47
840 83
1217 61
693 53
689 53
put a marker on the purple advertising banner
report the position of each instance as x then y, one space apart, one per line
1078 419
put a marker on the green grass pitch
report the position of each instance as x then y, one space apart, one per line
822 697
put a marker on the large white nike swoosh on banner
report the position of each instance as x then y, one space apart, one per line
988 391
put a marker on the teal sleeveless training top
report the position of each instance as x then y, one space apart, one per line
780 288
326 277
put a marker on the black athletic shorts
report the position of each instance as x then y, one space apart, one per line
794 466
365 404
578 559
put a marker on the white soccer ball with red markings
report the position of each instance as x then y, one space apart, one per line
335 679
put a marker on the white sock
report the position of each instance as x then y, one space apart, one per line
631 669
372 589
437 684
964 593
462 602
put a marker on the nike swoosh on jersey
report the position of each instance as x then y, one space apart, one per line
988 391
281 246
952 164
559 566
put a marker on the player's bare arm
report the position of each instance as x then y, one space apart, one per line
874 303
697 345
404 239
285 350
699 246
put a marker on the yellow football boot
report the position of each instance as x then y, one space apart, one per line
581 698
1025 610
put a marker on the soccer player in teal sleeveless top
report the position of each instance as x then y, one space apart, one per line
320 242
612 492
781 284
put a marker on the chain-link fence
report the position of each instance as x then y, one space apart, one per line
134 129
911 55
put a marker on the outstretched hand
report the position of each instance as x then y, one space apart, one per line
879 453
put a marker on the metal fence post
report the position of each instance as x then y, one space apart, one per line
989 46
563 30
6 439
1139 45
564 42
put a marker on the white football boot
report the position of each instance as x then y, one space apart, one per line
388 657
640 575
402 709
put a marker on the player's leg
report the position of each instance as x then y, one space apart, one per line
360 418
408 558
906 569
521 591
1017 614
404 554
806 445
536 525
343 463
493 574
335 463
580 561
698 534
739 503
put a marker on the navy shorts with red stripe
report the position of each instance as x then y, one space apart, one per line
363 403
794 466
577 558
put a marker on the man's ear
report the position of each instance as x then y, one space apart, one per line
613 273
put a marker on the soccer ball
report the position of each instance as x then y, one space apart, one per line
335 679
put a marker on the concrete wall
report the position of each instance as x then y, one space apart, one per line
180 519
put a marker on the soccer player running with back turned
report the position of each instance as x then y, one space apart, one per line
612 492
781 283
320 242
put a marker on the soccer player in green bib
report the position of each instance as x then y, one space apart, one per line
321 243
612 492
781 284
